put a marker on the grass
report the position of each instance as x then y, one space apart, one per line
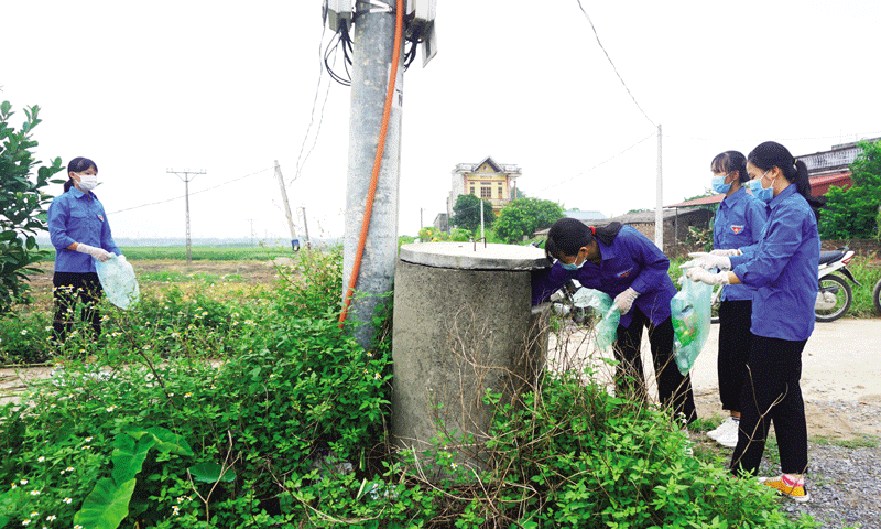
866 441
199 253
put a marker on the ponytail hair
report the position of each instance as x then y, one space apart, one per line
77 165
568 235
771 154
729 162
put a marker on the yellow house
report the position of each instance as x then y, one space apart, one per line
488 179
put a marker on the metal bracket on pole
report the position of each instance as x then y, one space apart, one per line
373 6
476 240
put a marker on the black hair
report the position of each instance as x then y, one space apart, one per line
729 162
771 154
75 166
568 235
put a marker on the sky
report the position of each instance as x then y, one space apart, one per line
229 88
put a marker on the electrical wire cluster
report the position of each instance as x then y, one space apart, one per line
340 40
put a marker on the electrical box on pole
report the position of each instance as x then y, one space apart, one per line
338 13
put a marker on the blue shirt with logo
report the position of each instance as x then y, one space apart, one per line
783 270
78 217
631 261
739 222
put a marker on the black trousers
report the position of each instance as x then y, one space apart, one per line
772 394
71 287
735 342
673 387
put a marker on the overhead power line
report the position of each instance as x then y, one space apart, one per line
607 160
613 64
191 194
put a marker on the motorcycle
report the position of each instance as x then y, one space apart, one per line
834 295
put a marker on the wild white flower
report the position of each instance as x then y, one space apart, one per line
188 394
24 482
111 408
376 376
48 328
89 439
24 332
68 500
51 518
26 522
41 459
35 492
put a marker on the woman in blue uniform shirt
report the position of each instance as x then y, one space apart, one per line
623 263
783 269
739 221
80 233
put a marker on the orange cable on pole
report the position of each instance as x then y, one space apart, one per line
377 161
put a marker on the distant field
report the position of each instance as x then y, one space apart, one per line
200 253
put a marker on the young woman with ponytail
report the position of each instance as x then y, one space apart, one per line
80 232
783 270
739 222
623 263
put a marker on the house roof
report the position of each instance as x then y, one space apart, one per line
819 186
511 169
584 215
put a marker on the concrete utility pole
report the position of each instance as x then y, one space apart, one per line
305 229
287 206
185 176
659 202
373 43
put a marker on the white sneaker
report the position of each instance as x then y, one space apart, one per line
729 437
726 425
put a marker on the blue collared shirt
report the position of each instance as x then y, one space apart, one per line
632 261
739 222
783 269
78 217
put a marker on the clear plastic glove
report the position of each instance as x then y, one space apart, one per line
701 275
624 301
730 252
98 253
707 260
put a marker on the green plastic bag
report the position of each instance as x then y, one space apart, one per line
691 322
601 303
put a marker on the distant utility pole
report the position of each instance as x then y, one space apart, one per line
659 202
305 228
287 206
252 230
185 176
373 44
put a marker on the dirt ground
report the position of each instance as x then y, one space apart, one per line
841 378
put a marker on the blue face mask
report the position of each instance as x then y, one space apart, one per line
572 266
765 194
718 183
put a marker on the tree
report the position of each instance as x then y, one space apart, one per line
854 214
467 213
22 205
525 215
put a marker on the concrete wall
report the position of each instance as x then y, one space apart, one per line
458 332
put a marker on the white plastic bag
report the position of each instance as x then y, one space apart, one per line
118 281
608 313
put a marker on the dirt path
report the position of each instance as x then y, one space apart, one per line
841 378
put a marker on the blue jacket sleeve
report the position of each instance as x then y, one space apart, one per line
57 222
546 282
783 238
655 265
758 216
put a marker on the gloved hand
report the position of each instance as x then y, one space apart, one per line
624 301
98 253
707 260
698 274
731 252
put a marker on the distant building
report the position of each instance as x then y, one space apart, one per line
488 179
589 215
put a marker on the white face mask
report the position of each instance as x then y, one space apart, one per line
88 182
